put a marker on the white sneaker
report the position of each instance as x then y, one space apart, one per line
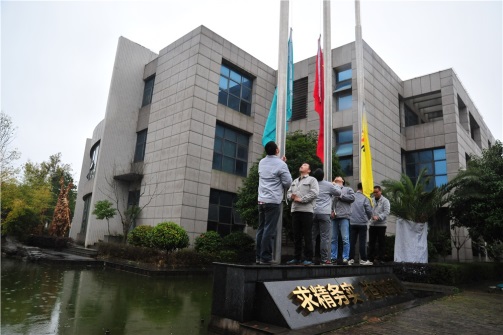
351 262
365 262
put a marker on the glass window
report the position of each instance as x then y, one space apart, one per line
148 91
222 216
344 100
343 88
85 213
141 144
344 150
346 165
235 90
95 150
133 200
343 75
230 152
411 118
433 160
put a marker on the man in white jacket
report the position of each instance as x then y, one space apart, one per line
303 193
377 230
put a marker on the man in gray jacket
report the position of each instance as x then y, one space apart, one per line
361 211
341 211
274 178
377 230
321 220
303 193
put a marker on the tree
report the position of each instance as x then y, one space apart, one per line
7 155
114 190
61 219
103 209
413 206
24 208
410 201
37 193
299 148
475 200
50 173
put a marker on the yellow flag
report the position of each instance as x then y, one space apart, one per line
366 176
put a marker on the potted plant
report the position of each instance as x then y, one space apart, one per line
413 206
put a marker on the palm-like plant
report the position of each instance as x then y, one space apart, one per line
410 201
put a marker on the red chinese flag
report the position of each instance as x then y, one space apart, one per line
318 95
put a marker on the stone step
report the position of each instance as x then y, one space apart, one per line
79 251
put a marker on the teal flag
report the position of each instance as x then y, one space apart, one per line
289 81
270 125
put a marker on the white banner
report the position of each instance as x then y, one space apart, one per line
411 242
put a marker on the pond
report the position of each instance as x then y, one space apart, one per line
53 299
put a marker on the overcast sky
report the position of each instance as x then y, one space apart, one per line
57 57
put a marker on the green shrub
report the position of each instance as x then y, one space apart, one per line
495 251
189 259
169 236
209 242
141 236
21 225
129 252
226 256
448 273
238 241
242 244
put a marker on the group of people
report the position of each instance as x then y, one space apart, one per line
319 209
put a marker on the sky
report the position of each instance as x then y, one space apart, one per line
57 57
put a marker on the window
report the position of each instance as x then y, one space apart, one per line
235 90
133 200
230 151
411 118
148 91
222 216
344 150
299 103
141 143
343 88
433 160
94 161
85 213
475 131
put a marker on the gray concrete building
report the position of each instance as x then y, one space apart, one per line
182 128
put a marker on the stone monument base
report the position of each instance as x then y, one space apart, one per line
278 299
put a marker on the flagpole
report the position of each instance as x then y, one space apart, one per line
364 152
328 129
359 79
281 107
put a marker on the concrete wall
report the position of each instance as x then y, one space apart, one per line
181 130
118 137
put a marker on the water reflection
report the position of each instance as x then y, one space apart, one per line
49 299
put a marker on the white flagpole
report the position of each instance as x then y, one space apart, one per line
281 107
360 81
327 105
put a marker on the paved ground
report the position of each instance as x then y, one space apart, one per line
473 311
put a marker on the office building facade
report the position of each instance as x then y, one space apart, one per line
183 127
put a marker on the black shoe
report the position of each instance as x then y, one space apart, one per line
266 263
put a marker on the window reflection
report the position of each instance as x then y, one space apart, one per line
235 90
